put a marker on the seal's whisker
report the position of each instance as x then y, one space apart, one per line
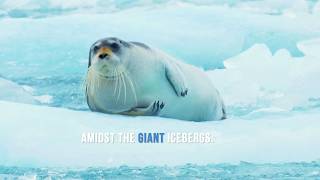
125 88
116 83
93 79
98 82
132 87
89 79
120 87
121 82
84 82
94 82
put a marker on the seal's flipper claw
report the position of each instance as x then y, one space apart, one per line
162 105
154 105
155 109
152 110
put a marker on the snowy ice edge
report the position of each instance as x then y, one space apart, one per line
47 136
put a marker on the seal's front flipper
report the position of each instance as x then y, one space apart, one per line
176 79
152 110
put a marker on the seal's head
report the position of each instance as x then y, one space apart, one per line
106 55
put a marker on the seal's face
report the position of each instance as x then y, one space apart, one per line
106 54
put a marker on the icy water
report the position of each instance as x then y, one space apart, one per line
243 170
263 56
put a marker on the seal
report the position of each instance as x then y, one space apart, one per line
131 78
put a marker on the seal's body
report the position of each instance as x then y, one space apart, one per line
131 78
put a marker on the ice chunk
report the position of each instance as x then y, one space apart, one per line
310 47
11 91
44 99
275 7
316 9
256 79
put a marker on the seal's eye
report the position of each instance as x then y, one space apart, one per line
95 48
115 46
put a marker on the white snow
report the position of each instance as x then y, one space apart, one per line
43 136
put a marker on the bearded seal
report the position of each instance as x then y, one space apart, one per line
131 78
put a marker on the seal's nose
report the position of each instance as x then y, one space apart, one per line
104 52
103 55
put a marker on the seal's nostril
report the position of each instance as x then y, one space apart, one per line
101 56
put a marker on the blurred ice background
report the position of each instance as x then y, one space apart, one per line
44 44
262 55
